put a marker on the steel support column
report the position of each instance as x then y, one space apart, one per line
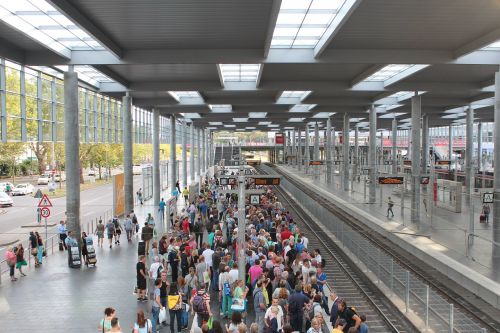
198 152
184 154
346 151
479 146
72 159
469 133
156 158
294 147
192 167
372 153
450 142
415 158
496 182
394 145
299 154
425 144
356 151
329 171
316 142
128 180
173 157
307 150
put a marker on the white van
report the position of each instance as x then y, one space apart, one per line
137 169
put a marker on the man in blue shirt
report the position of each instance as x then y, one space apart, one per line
321 277
203 210
259 305
128 225
296 302
161 209
61 230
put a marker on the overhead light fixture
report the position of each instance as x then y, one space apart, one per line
221 108
296 120
240 120
264 123
215 123
257 114
229 125
302 107
323 115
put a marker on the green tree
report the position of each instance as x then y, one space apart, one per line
10 152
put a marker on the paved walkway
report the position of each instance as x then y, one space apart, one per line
447 229
55 298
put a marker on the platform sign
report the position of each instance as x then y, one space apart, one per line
44 212
488 197
267 181
227 181
390 180
279 139
45 201
424 180
365 171
253 162
441 162
254 199
407 163
316 162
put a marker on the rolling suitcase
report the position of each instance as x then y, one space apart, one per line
141 248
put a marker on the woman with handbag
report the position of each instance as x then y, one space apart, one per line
20 262
10 257
40 247
174 307
34 247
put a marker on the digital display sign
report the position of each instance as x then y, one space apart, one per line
390 180
316 162
267 181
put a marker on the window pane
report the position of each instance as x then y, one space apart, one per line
31 108
59 93
46 90
60 132
13 105
13 80
31 85
46 111
32 130
13 129
47 131
60 113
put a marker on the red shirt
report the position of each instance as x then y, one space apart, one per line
185 226
285 235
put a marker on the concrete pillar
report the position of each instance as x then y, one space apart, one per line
294 147
128 179
346 149
415 158
356 150
192 167
198 152
184 155
205 149
329 171
450 142
156 158
316 142
496 161
479 148
394 146
372 153
299 154
173 157
307 150
469 133
72 159
425 144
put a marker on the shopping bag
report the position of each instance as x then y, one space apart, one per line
163 315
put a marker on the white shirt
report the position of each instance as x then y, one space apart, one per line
146 329
208 253
305 274
153 270
305 241
233 275
318 259
279 316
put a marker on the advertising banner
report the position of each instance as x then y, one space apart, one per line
279 139
119 194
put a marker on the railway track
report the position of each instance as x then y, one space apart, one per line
421 272
349 282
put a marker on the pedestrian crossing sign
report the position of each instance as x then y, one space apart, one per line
45 201
488 197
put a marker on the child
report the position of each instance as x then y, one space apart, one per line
363 328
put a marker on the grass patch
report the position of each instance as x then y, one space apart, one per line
61 192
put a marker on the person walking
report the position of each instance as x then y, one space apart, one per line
118 229
174 308
105 324
161 209
185 194
10 258
141 279
142 325
178 186
259 304
85 251
139 196
34 247
20 262
128 226
156 307
110 231
99 231
390 204
147 235
486 212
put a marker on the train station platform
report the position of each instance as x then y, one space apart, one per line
440 239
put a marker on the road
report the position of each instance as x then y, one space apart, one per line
95 203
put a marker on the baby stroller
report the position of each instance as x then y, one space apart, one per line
91 257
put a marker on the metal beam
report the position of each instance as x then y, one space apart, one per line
112 74
273 17
10 51
340 19
76 15
477 43
366 73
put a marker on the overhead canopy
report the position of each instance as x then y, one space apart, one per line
240 64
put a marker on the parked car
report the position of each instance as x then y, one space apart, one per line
23 189
91 173
5 199
44 179
60 177
3 186
137 169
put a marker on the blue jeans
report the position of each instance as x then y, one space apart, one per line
155 315
40 253
184 318
215 280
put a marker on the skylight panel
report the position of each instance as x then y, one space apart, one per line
492 47
215 123
404 95
229 125
240 120
42 22
250 128
85 73
273 125
239 72
187 97
392 73
264 123
323 114
391 115
296 120
221 108
192 115
302 23
257 114
302 107
295 94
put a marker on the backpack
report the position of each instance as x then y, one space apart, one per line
171 256
134 219
227 289
300 247
115 222
158 271
199 304
197 226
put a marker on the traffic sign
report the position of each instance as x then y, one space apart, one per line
38 194
488 197
45 201
45 212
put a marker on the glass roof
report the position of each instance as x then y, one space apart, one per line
323 114
240 120
191 115
85 73
184 96
387 72
264 122
295 94
257 114
404 95
302 107
493 46
215 123
302 23
221 108
296 120
391 115
239 72
44 23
